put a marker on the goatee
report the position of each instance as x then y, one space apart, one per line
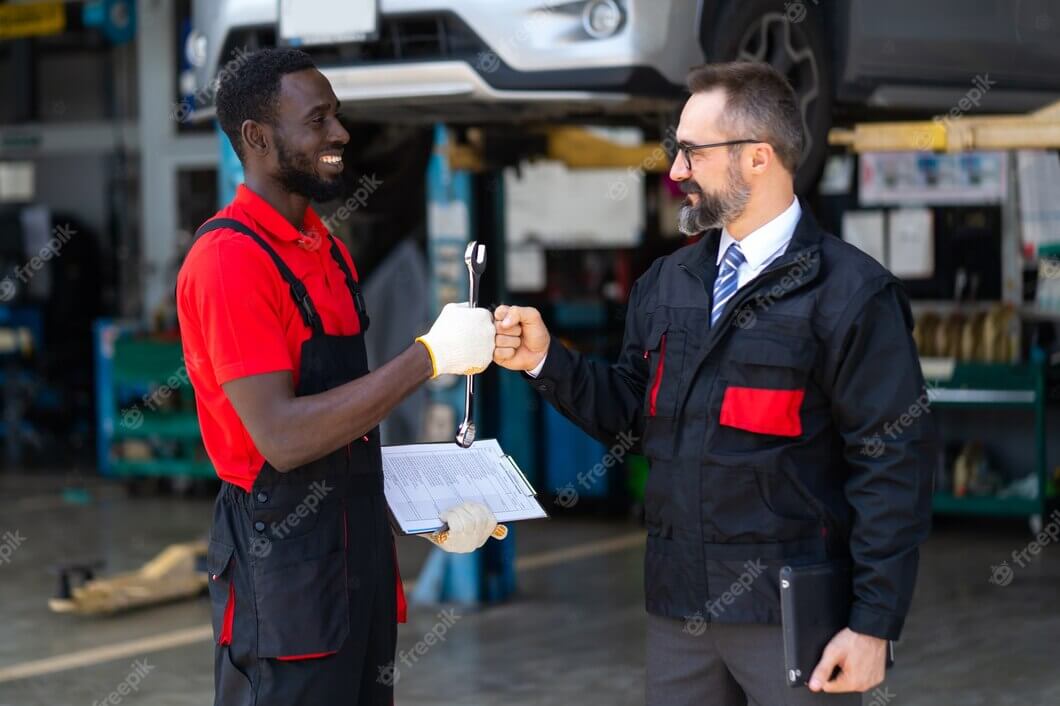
717 209
298 177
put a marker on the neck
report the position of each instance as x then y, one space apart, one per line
291 206
761 209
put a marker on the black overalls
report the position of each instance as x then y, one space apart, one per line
302 568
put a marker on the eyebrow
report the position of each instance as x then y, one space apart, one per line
322 107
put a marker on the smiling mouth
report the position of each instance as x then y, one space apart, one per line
332 161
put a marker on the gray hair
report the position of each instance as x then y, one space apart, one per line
759 104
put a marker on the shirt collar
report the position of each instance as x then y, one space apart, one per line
766 240
273 224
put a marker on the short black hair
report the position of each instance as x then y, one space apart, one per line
249 89
759 104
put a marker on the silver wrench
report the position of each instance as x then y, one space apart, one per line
475 259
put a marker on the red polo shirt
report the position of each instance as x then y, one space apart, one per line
237 317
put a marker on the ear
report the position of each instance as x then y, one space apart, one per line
256 137
761 157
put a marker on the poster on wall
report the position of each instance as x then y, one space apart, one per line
926 178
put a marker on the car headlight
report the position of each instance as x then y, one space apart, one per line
602 18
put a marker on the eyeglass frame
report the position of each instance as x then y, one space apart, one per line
686 149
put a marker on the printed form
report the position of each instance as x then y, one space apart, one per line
421 481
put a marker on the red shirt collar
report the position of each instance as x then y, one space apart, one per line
272 224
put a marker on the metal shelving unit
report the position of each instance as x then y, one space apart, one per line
130 369
994 386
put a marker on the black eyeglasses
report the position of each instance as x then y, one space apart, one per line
687 149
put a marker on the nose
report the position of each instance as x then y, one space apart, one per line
338 134
679 170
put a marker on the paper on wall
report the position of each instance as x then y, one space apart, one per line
911 243
865 230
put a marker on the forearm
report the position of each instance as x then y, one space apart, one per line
592 394
303 429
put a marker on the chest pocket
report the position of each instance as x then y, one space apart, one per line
664 351
764 385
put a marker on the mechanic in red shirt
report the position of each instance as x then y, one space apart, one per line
301 554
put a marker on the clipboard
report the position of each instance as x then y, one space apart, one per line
421 481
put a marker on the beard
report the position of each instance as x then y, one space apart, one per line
714 210
297 176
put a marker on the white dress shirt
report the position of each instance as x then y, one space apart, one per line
760 247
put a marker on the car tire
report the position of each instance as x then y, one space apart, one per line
789 35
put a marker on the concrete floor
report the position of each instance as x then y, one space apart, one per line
575 633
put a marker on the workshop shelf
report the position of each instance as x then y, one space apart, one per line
993 386
147 423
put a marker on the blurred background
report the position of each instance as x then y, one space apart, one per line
543 128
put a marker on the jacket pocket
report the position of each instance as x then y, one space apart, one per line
664 351
300 592
762 410
763 385
222 589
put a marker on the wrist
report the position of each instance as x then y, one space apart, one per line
425 354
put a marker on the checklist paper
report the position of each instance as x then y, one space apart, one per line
421 481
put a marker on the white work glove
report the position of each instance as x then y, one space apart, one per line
461 341
470 525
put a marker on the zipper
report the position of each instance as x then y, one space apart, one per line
775 270
658 376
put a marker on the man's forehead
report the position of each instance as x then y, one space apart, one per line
301 91
700 117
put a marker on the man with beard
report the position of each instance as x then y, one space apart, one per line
301 554
769 372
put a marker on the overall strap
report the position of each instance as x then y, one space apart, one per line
298 291
355 289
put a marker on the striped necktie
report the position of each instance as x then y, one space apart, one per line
725 284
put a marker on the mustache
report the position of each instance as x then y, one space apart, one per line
690 187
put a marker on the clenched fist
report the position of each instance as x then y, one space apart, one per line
522 338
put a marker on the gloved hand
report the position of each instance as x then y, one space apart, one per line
470 525
461 341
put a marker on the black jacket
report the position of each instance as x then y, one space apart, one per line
796 430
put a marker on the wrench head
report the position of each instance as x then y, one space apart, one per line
465 436
469 252
477 263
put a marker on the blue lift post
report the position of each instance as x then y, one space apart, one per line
487 575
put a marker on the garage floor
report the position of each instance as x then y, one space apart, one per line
574 635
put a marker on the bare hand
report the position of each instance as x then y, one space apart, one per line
522 338
862 660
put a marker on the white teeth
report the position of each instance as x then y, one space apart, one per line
328 159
